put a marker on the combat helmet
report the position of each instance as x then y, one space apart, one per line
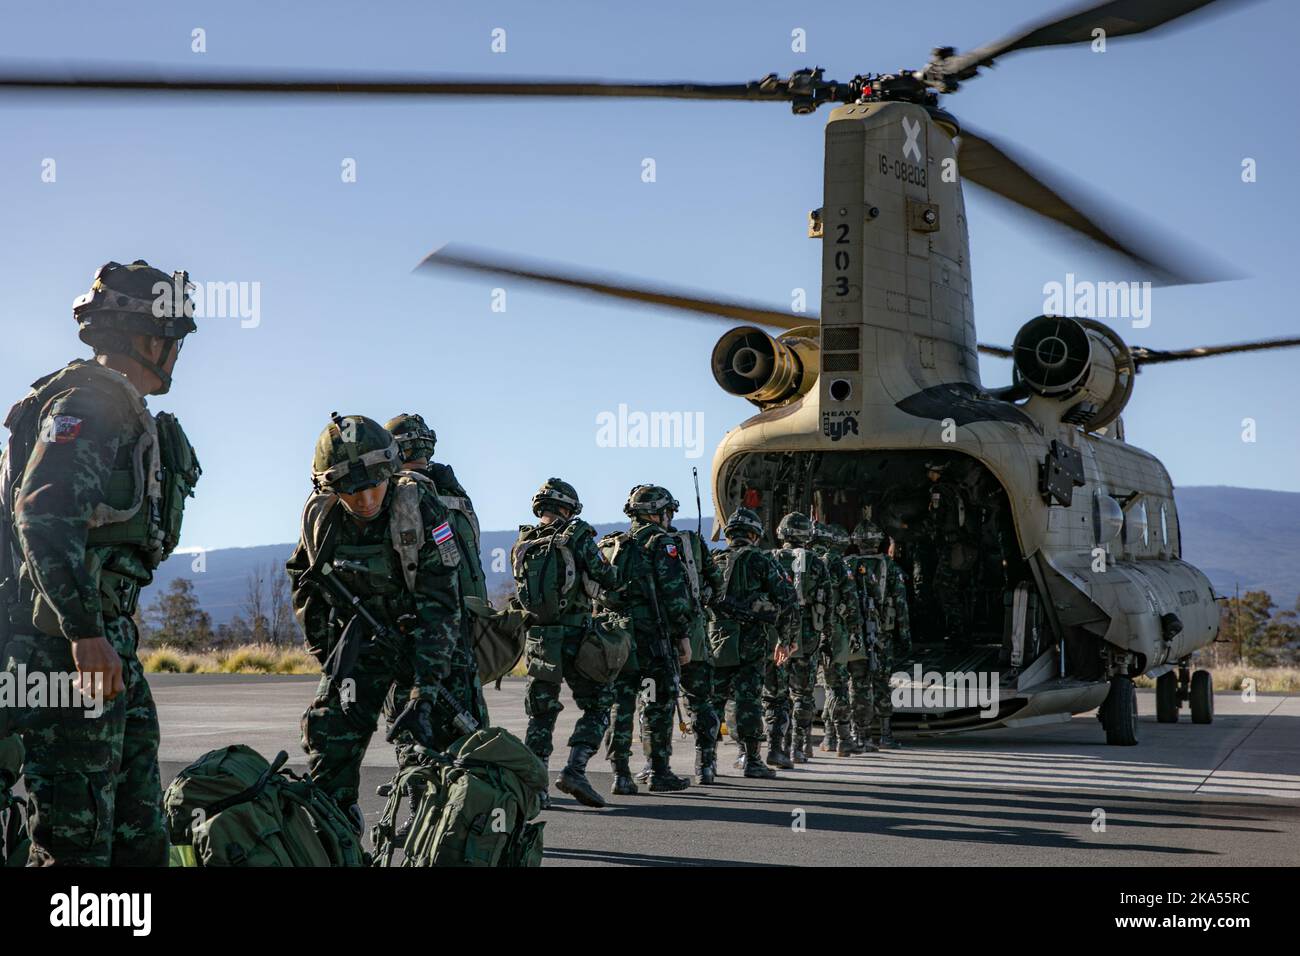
839 537
650 500
353 453
413 436
556 491
743 521
868 537
135 299
822 536
796 528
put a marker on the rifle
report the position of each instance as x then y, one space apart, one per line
341 661
699 512
663 646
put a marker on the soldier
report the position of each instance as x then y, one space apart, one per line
811 586
754 595
841 627
386 537
92 492
558 570
777 705
888 593
949 524
705 580
656 594
416 442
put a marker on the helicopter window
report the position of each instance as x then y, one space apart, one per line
1146 532
1164 527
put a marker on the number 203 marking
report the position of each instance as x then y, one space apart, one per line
842 259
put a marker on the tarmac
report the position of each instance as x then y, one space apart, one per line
1226 793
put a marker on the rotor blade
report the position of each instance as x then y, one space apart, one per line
1116 17
1143 356
149 80
470 260
1001 351
983 162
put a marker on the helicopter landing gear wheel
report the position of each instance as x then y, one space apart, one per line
1202 698
1119 712
1167 702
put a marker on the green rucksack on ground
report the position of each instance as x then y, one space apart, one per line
14 842
232 808
473 805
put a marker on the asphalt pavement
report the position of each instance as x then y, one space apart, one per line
1224 793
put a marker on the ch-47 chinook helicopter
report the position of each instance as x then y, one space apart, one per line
1043 547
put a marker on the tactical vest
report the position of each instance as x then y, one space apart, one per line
878 569
693 551
146 490
465 524
380 566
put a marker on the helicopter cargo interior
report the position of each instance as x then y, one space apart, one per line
974 607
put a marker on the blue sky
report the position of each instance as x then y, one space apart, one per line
250 191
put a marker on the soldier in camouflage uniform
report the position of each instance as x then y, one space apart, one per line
842 625
92 492
888 592
811 582
705 580
656 593
777 703
387 538
416 442
560 604
754 596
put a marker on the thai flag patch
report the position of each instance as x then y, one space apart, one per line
442 533
62 429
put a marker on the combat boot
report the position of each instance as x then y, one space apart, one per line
573 779
776 756
754 766
845 747
887 740
706 766
807 740
624 785
662 778
865 746
643 775
797 754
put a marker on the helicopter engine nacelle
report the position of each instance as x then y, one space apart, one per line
765 370
1079 363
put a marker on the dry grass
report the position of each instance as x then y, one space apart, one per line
249 659
1268 680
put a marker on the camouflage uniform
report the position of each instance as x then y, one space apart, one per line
92 492
571 611
650 566
843 625
705 580
427 644
416 442
753 583
811 585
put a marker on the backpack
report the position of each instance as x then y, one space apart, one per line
14 842
544 570
232 808
475 802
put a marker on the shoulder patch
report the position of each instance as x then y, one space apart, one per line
61 429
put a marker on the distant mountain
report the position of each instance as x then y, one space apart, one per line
1240 537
